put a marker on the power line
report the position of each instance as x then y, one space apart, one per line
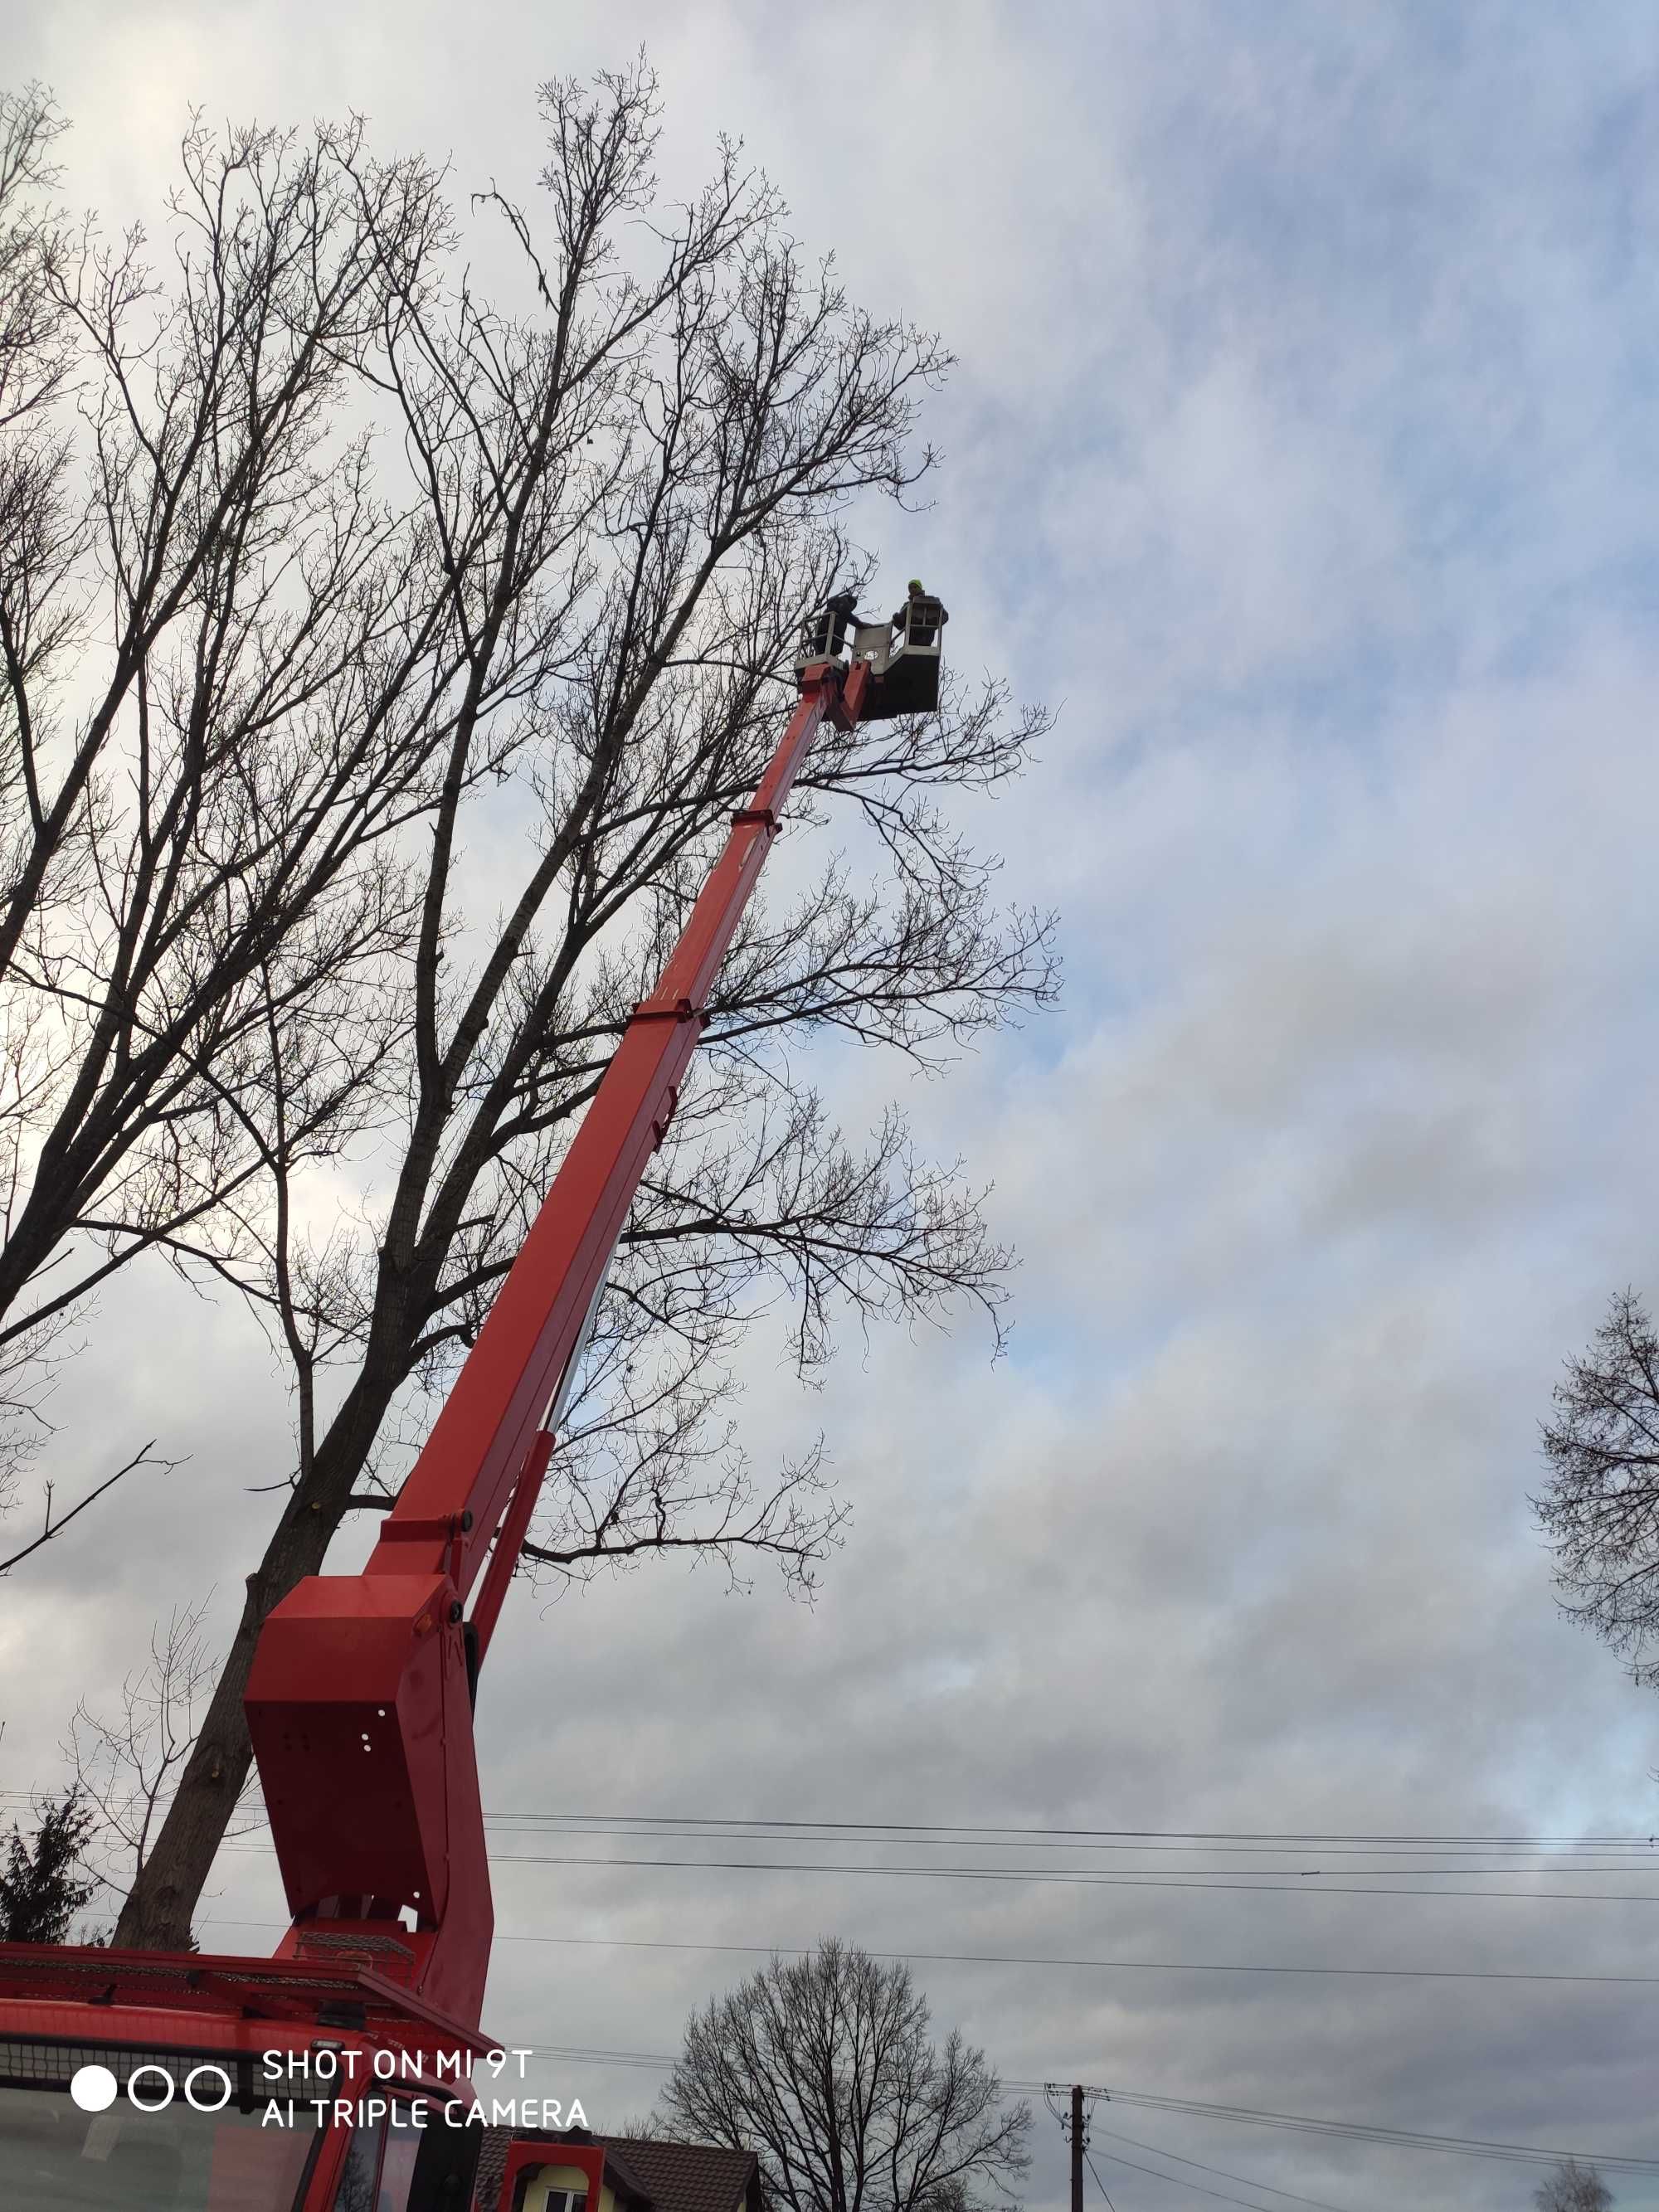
1302 1873
1263 1878
1099 2184
1636 1853
1221 2195
1560 1853
1352 2130
1604 1860
1559 1862
1013 1958
966 1828
588 2054
1355 2130
1044 1877
1271 1841
1078 2138
1158 2151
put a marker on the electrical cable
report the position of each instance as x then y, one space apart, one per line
1014 1959
1220 2195
1262 1878
1246 2180
1099 2184
1351 2131
1068 2122
1195 1838
1232 1844
1354 2130
1195 1835
1044 1877
1187 1876
1636 1854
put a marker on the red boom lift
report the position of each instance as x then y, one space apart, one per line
146 2081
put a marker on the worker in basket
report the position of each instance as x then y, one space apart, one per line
918 621
826 632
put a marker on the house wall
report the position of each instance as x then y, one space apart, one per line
551 2167
566 2176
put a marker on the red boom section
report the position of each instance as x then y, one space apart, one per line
359 1703
477 1445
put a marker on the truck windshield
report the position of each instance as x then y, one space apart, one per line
140 2153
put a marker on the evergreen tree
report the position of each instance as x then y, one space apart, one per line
41 1887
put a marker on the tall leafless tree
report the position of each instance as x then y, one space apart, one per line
488 769
215 638
34 361
826 2068
1599 1509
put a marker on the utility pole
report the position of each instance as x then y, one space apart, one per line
1071 2107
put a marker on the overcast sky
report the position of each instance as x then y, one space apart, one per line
1302 454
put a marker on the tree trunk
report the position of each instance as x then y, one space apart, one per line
162 1901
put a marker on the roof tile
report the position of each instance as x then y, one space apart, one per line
677 2177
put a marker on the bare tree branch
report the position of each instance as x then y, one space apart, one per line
145 1456
125 1770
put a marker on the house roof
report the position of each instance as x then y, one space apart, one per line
492 2165
670 2177
687 2177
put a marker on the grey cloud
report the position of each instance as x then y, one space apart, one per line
1302 446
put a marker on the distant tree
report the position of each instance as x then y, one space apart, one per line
1572 2188
41 1887
825 2068
1599 1509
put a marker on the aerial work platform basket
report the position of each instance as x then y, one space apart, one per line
902 655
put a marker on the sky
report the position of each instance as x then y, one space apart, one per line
1300 455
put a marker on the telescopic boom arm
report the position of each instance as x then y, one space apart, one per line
481 1444
360 1698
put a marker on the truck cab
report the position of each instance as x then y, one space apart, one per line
139 2082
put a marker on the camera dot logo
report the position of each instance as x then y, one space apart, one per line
93 2088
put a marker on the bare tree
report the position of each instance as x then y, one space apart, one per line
631 489
210 734
1599 1509
34 357
125 1768
1572 2187
825 2068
